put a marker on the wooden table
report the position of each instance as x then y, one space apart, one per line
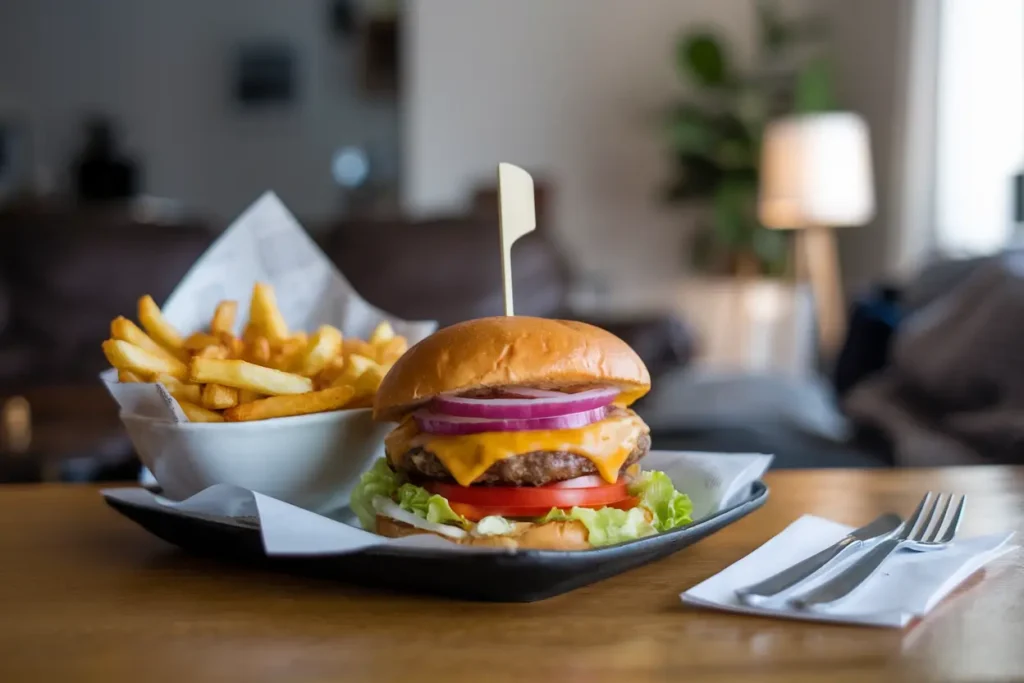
87 596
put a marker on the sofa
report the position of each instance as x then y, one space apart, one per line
65 272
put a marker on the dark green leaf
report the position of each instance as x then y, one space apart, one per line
735 154
772 249
733 212
814 88
702 56
752 110
678 191
691 132
696 177
705 251
729 126
745 176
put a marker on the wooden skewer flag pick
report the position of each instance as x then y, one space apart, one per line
516 217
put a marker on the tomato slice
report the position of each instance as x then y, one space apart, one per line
588 481
475 513
530 496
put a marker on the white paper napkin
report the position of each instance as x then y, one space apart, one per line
713 481
909 585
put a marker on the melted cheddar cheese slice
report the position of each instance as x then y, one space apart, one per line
607 444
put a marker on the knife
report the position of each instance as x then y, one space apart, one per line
880 528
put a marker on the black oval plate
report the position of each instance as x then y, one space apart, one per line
523 576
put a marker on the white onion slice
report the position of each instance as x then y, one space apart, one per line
453 425
525 408
390 508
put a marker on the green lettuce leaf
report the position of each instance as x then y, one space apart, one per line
380 480
669 507
429 506
554 515
606 526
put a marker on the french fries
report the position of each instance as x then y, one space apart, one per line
259 351
234 345
224 318
159 329
391 350
324 346
359 347
198 413
248 396
355 367
200 340
332 398
219 397
382 334
330 373
218 352
124 329
125 356
183 391
243 375
366 385
250 332
267 372
264 313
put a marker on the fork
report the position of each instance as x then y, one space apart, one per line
927 529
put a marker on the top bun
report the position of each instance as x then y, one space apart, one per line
510 351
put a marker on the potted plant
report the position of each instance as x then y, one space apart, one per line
715 136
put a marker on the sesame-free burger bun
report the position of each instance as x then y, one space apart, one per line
510 351
567 535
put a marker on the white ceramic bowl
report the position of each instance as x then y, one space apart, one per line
312 461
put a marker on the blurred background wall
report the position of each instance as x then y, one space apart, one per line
571 89
163 69
868 44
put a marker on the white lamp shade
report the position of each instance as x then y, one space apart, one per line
816 171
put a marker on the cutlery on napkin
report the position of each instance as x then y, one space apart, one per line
911 585
927 529
882 527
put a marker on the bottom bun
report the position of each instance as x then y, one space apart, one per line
567 535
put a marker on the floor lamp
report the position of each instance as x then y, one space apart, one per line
816 176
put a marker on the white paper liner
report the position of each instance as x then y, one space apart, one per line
713 481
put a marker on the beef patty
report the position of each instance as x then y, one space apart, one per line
529 469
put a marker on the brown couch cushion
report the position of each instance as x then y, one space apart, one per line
70 278
446 270
67 284
5 301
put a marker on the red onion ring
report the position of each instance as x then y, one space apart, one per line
525 408
451 425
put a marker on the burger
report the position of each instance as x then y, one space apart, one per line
516 432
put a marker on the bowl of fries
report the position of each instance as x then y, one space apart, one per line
272 410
